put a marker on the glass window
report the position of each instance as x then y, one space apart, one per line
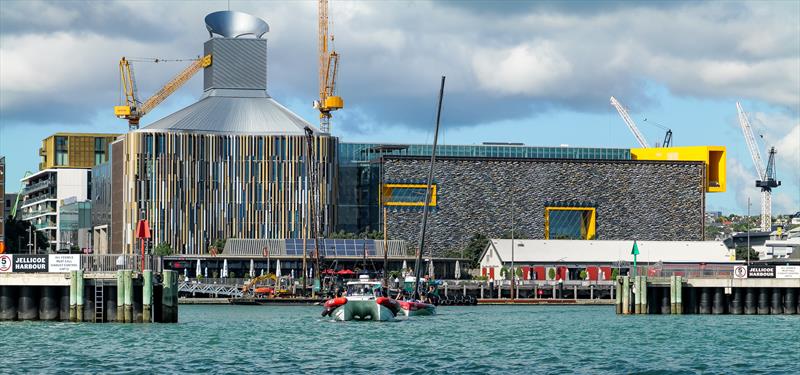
570 223
62 152
408 194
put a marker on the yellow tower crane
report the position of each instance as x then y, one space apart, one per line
131 108
328 68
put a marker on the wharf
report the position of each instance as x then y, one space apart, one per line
707 295
544 301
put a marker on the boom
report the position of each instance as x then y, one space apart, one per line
629 121
755 153
133 109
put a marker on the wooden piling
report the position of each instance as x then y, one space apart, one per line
673 295
678 295
637 295
79 295
626 295
643 292
127 300
120 296
147 296
73 296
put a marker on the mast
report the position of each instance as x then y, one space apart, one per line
314 224
417 266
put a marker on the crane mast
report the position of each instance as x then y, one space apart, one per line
766 179
132 108
328 69
632 125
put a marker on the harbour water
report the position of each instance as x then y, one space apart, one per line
476 339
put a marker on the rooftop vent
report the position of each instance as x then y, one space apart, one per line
232 24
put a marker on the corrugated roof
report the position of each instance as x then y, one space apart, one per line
233 112
572 251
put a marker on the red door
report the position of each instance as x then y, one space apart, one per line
491 273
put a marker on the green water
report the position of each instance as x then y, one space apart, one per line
478 339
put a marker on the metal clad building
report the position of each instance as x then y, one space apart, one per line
551 199
231 165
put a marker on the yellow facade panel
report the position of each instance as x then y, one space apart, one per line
713 157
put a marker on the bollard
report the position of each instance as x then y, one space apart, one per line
79 295
127 298
678 295
120 312
147 296
73 296
626 295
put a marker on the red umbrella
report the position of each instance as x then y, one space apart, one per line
346 272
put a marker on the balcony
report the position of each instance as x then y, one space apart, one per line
39 186
37 199
30 214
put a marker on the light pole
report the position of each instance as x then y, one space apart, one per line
513 271
747 222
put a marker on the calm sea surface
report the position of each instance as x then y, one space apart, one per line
478 339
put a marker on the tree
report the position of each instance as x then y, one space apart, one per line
16 233
741 253
163 249
477 244
217 247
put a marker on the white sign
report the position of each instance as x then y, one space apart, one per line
64 262
740 272
787 272
6 263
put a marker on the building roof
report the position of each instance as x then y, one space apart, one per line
580 251
233 112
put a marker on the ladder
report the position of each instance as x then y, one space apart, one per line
99 301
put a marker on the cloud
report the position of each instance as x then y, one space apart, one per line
503 60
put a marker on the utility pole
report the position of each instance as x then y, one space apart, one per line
30 243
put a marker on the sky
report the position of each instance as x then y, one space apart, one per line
540 73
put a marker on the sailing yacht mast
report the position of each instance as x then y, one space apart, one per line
418 265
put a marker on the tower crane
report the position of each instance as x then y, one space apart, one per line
132 108
635 130
328 69
765 173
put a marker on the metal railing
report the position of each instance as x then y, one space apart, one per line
114 262
708 272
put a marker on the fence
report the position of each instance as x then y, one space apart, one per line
114 262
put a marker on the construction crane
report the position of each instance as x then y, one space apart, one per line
132 108
328 69
635 130
16 201
765 173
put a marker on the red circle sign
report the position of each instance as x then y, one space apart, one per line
5 263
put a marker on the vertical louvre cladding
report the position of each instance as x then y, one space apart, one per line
197 188
236 64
